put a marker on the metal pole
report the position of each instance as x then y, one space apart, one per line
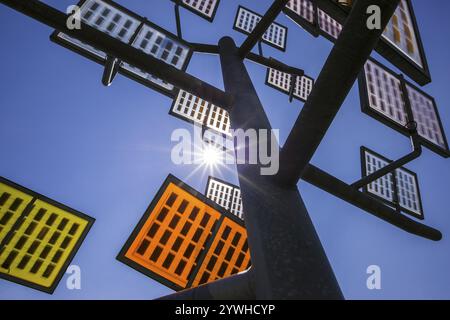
336 79
288 259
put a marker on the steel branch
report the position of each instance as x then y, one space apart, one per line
335 81
340 189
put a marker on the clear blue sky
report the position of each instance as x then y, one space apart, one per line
106 151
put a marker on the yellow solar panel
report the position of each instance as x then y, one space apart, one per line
39 248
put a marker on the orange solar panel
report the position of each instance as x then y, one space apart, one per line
176 241
228 254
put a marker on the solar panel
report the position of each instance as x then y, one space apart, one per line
193 109
134 30
185 240
246 21
400 43
382 97
225 195
403 34
204 8
282 82
330 28
405 192
39 237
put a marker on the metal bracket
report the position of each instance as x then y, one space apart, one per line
178 20
417 151
111 68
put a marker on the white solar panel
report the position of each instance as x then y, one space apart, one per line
194 109
204 8
226 195
116 22
407 188
383 98
328 25
282 82
247 20
428 123
385 93
408 192
161 46
303 8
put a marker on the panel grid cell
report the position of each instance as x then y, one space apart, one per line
282 81
246 21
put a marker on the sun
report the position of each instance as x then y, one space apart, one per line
211 156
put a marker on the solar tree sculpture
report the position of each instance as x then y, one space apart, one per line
288 260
